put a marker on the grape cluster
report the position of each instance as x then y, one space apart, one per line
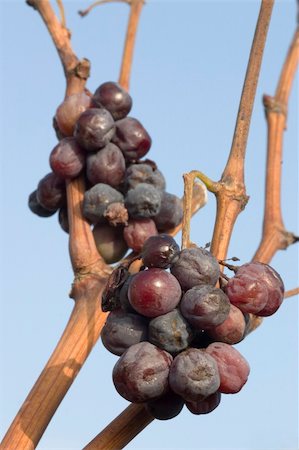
125 201
174 330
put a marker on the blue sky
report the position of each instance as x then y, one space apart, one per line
186 82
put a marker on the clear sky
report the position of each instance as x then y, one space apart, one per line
187 78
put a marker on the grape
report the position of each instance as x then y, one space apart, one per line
94 129
132 138
97 199
144 173
123 295
51 192
63 219
205 306
160 251
195 266
206 405
254 287
171 212
141 373
67 158
166 407
171 332
138 231
154 292
113 97
232 330
143 201
275 292
109 242
122 330
194 375
37 208
69 110
233 367
106 166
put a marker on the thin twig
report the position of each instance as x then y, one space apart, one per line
275 236
127 58
86 11
291 292
62 13
232 198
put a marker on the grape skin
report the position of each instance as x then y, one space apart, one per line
94 129
160 251
170 332
254 288
194 375
67 159
122 330
114 98
106 166
205 306
138 231
132 138
37 208
96 200
170 214
232 330
70 110
141 373
233 367
144 173
143 201
166 407
109 242
195 266
206 405
154 292
50 192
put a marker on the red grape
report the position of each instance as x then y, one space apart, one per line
67 159
138 231
232 330
206 405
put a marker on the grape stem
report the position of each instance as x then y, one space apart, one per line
291 292
275 236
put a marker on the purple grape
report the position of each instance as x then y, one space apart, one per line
94 129
195 266
97 199
123 295
170 214
114 98
106 166
144 173
132 138
160 251
205 306
143 201
170 332
206 405
138 231
194 375
166 407
141 373
154 292
232 330
63 219
233 367
69 111
67 159
256 288
37 208
122 330
51 192
109 242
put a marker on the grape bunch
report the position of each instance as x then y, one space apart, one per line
174 330
125 201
